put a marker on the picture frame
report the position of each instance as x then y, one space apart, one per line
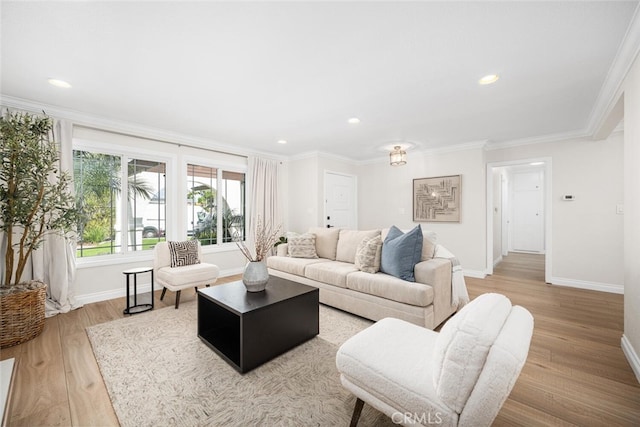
437 199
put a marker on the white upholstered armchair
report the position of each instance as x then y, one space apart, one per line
181 277
460 376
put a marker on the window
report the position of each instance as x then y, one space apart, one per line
233 197
214 194
146 223
107 226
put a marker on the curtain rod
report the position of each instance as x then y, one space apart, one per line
179 144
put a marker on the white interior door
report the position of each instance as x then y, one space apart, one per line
340 200
528 212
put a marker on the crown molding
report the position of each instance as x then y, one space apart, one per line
541 139
321 154
127 128
471 145
612 88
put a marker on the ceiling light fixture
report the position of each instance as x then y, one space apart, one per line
536 163
488 79
398 156
282 141
353 120
59 83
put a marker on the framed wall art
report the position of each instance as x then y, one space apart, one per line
437 199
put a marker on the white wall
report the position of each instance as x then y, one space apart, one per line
583 230
306 188
385 198
631 337
587 234
303 194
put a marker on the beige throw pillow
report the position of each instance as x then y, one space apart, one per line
326 241
348 243
368 254
302 246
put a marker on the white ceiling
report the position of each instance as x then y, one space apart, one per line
248 74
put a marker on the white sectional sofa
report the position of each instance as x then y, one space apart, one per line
425 302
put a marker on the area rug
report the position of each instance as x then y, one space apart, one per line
159 373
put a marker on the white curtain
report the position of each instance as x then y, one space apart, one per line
265 201
54 262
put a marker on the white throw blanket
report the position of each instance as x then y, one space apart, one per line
459 294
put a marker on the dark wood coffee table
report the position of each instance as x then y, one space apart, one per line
248 329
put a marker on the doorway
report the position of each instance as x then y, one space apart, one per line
519 211
340 196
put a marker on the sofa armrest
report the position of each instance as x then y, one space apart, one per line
282 249
436 272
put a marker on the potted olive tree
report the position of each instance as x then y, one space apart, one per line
34 201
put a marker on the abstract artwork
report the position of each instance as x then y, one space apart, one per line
437 199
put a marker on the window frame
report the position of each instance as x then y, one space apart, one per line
125 153
220 167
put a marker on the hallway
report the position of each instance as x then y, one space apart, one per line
519 265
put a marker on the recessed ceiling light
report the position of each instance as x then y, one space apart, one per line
59 83
488 79
353 120
536 163
282 141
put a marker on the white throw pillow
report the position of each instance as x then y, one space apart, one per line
302 246
368 254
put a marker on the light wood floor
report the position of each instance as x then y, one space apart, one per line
576 373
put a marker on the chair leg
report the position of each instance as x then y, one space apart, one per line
177 299
357 410
164 291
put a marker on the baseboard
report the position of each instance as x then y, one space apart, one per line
475 274
632 356
497 261
111 294
142 288
583 284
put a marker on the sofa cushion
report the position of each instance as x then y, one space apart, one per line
463 345
326 241
302 246
331 272
184 253
348 243
368 254
429 242
401 252
392 288
290 265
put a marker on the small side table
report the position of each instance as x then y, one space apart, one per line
137 308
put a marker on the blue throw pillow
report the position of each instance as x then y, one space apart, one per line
401 252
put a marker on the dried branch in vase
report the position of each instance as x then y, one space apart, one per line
265 238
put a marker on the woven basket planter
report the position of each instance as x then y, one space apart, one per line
21 312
